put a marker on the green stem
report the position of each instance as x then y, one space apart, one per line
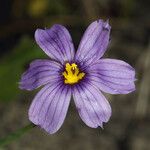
16 135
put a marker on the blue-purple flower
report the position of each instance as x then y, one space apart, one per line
82 74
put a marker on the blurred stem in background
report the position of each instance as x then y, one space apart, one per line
16 135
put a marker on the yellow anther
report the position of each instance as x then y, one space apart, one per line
74 66
72 74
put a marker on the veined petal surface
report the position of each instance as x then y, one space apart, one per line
49 107
94 42
56 42
91 104
40 73
112 76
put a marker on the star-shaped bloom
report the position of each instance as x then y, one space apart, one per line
82 74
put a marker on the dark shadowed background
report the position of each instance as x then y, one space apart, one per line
129 126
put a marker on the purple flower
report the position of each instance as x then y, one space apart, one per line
83 75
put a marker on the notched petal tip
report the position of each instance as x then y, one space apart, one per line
106 25
101 126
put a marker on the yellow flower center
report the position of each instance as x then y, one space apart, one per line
72 74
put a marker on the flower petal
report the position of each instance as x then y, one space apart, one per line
40 73
92 106
94 42
112 76
49 107
56 42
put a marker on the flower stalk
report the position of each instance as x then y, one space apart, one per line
15 135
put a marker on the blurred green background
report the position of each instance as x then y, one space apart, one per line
129 126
